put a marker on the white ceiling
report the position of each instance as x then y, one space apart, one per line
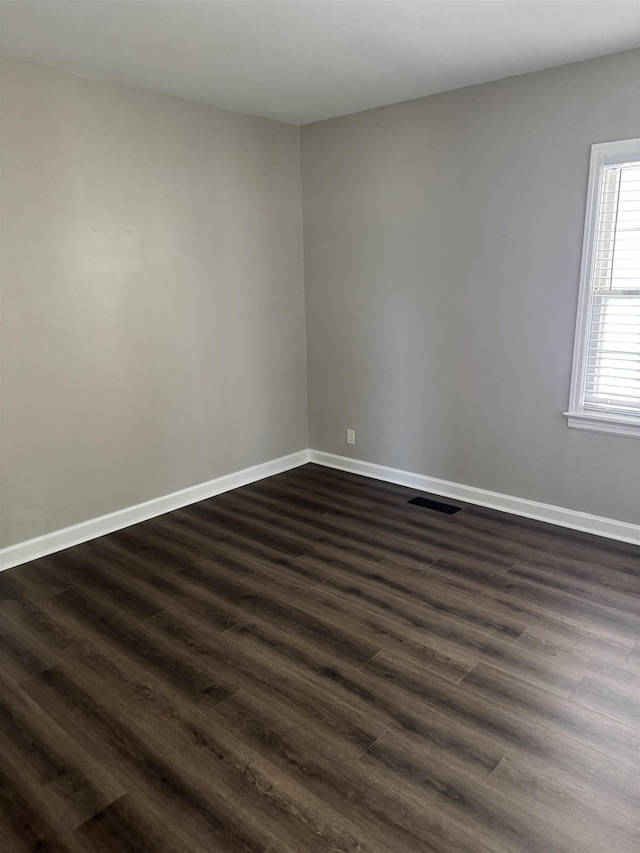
304 60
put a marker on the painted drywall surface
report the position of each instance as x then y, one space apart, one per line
442 242
153 307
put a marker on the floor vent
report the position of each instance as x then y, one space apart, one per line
448 509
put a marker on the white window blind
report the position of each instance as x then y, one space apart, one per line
612 382
606 376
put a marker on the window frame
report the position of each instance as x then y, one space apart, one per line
602 154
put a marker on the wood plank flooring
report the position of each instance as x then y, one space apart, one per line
312 664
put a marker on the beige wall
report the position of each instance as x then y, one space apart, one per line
442 243
152 292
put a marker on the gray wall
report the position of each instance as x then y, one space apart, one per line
154 305
442 242
153 296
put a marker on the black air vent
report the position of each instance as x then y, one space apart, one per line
448 509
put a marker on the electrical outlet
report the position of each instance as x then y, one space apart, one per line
351 436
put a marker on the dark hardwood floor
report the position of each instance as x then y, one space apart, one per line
312 664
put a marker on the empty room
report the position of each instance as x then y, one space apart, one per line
320 426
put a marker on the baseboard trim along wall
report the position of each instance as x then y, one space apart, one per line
32 549
610 528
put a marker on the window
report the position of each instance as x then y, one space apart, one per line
605 383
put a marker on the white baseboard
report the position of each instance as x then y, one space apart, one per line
610 528
32 549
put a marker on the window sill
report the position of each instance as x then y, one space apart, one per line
611 424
